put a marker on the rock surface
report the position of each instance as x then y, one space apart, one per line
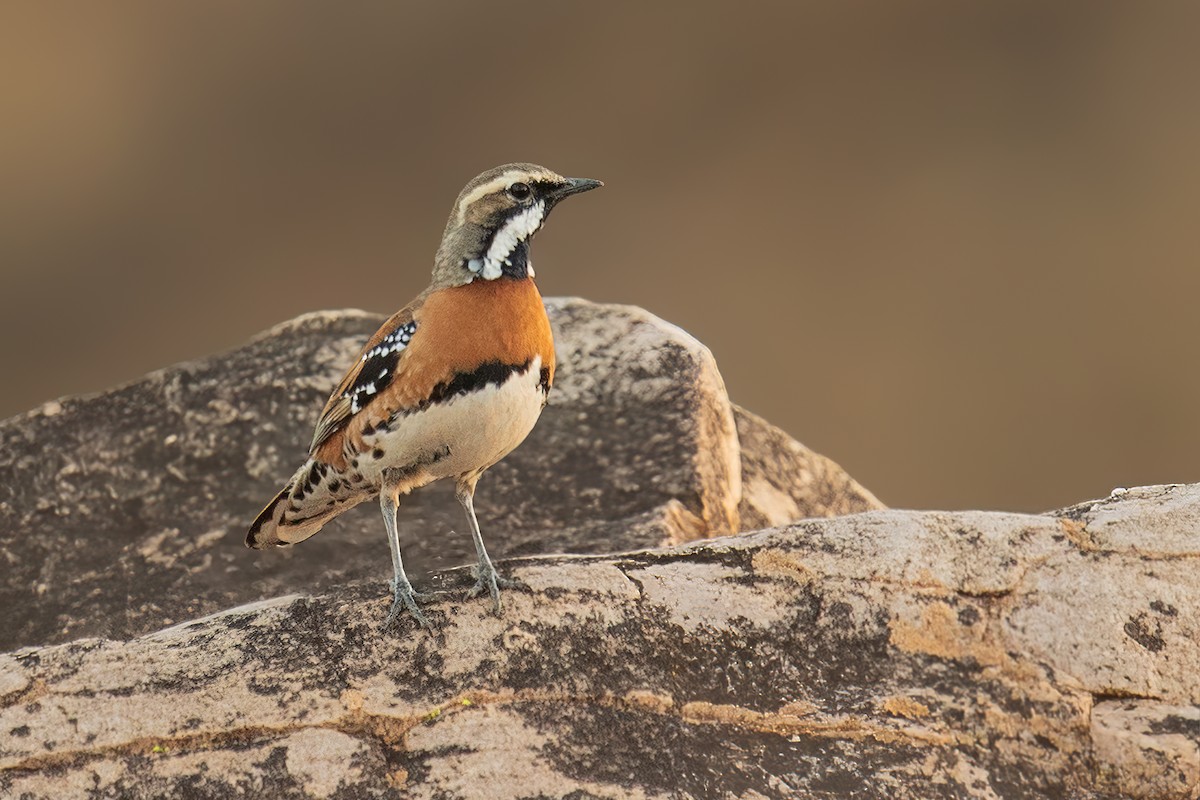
783 481
890 654
124 512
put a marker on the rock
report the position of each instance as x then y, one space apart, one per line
1146 748
783 481
125 511
890 654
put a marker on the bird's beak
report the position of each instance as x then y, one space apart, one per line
575 186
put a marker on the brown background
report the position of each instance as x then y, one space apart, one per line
951 245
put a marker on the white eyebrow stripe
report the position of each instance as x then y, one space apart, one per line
497 184
480 192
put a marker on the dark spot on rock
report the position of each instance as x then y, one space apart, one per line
1166 609
799 651
1019 781
22 730
1173 723
626 747
839 613
264 687
971 536
968 615
1137 629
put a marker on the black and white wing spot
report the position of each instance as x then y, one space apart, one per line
378 367
370 376
394 342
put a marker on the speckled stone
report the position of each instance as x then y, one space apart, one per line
125 511
891 655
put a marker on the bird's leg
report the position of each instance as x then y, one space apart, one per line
403 596
485 573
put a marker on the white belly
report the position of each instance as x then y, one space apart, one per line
466 433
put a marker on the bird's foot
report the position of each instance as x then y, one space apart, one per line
487 579
405 599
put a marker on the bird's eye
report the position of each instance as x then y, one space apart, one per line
520 191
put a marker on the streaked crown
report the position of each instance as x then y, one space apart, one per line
495 217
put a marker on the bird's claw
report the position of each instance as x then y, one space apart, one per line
487 579
405 599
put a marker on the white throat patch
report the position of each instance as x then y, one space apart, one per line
519 227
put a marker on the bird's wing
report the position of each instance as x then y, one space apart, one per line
377 367
446 342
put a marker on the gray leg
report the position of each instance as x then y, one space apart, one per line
485 573
403 596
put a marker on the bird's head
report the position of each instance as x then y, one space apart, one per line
496 215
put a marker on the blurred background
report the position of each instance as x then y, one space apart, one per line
951 245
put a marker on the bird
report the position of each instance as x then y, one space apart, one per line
447 387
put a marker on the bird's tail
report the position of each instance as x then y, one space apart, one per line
314 495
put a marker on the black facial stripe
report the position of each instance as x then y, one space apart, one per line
508 213
519 258
544 189
541 192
